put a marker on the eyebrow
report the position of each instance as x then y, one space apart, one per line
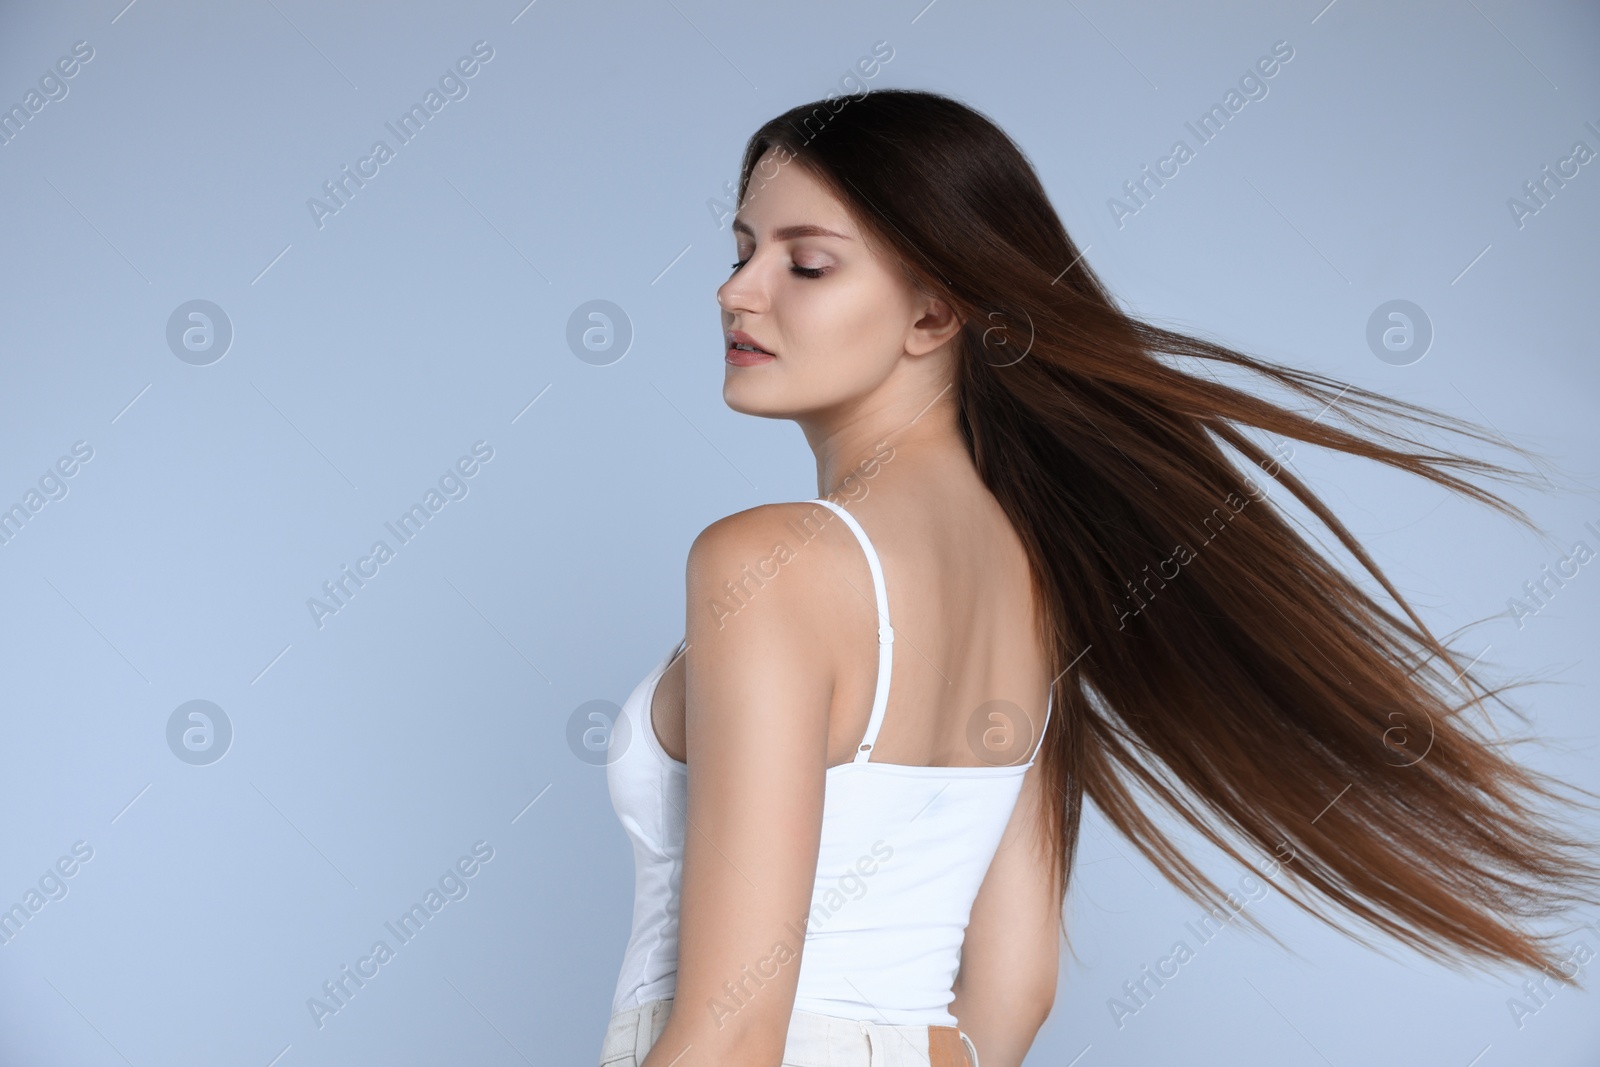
785 233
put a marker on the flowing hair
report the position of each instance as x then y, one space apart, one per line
1248 684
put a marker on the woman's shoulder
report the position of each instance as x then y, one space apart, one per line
764 525
783 553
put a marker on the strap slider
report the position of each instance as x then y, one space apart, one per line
885 635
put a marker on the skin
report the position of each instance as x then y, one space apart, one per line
763 700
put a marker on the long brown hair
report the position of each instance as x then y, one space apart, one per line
1248 684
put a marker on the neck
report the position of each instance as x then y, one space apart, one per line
851 448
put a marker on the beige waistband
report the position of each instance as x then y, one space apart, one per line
814 1040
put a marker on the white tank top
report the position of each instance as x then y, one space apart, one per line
904 849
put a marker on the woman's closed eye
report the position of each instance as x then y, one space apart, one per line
804 272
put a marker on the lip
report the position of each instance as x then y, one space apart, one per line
738 357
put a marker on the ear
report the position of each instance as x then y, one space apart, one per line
936 323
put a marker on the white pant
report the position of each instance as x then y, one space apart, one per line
813 1041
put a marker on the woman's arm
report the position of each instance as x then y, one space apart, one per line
758 689
1007 982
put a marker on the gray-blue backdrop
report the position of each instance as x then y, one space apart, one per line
243 344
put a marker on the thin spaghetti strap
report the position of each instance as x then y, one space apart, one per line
880 698
1050 702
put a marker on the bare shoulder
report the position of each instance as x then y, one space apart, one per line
767 522
763 652
778 563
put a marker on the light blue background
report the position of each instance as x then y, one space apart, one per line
369 754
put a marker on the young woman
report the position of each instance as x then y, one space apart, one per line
854 797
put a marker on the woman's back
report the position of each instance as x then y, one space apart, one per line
905 842
969 681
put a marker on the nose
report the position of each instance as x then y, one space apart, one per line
728 297
740 293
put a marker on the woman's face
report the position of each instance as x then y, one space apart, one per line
835 315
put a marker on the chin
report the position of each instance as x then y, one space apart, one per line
747 398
